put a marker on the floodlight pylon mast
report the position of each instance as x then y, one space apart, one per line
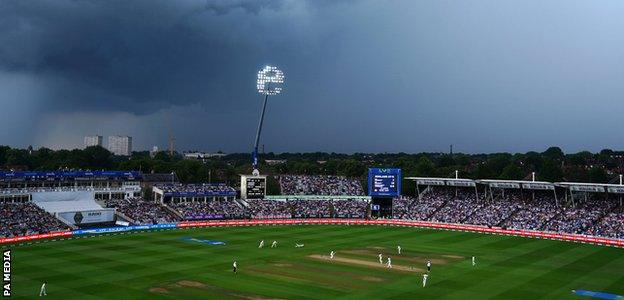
266 77
255 151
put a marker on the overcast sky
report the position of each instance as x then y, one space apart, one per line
361 76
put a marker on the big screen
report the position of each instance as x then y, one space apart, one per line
384 182
256 187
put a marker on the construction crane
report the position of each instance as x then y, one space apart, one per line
171 137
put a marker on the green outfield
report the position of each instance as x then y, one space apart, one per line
175 264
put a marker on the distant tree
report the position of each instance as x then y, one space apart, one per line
581 158
597 175
3 154
533 160
550 171
511 172
446 160
330 167
554 153
576 174
462 159
606 152
17 157
351 168
497 162
483 171
162 155
606 159
96 158
424 167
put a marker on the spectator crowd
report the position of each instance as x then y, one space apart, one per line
593 215
213 209
19 219
327 185
142 211
217 189
269 209
534 215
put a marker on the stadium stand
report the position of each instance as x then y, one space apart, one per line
612 226
327 185
535 214
210 209
311 208
269 209
581 218
346 208
510 206
401 208
492 213
178 192
20 219
457 209
142 211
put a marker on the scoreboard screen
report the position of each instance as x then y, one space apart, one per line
256 187
384 182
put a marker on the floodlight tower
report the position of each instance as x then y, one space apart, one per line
270 80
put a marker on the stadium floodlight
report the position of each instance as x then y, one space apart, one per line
269 82
266 77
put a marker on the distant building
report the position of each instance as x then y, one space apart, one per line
151 179
275 162
93 140
154 151
202 155
120 145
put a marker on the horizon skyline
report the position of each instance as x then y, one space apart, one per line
195 150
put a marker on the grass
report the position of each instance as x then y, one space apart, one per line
162 265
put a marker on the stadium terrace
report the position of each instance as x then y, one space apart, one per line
71 174
194 190
50 202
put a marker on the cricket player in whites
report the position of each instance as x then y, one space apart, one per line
261 244
274 244
380 259
389 263
331 255
474 261
399 249
234 267
425 279
428 266
42 292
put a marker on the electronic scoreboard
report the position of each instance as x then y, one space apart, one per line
384 182
253 187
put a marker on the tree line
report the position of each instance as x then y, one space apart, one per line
550 165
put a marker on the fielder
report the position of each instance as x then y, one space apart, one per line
42 292
474 261
425 279
274 244
399 249
389 263
261 244
297 245
428 266
234 267
331 255
380 259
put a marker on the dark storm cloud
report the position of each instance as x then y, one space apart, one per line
366 75
137 56
226 6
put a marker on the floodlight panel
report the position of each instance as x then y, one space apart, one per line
269 80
